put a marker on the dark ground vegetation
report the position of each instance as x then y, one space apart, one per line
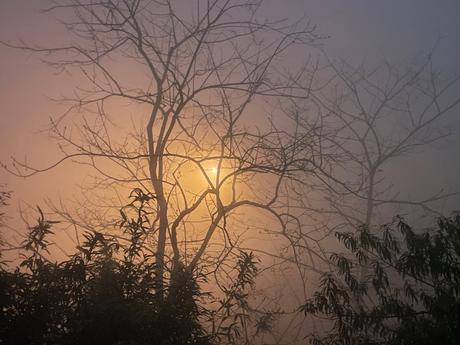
105 292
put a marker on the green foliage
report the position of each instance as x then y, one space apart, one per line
410 294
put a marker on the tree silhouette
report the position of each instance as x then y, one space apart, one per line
200 73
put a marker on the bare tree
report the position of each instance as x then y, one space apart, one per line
368 120
208 136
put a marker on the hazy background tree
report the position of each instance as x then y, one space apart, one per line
367 122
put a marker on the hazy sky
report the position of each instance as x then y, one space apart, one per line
360 31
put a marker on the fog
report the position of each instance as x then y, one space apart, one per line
288 215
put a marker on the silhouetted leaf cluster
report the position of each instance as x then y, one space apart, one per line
103 294
4 197
233 314
410 294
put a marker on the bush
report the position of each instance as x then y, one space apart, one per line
103 294
106 292
410 296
